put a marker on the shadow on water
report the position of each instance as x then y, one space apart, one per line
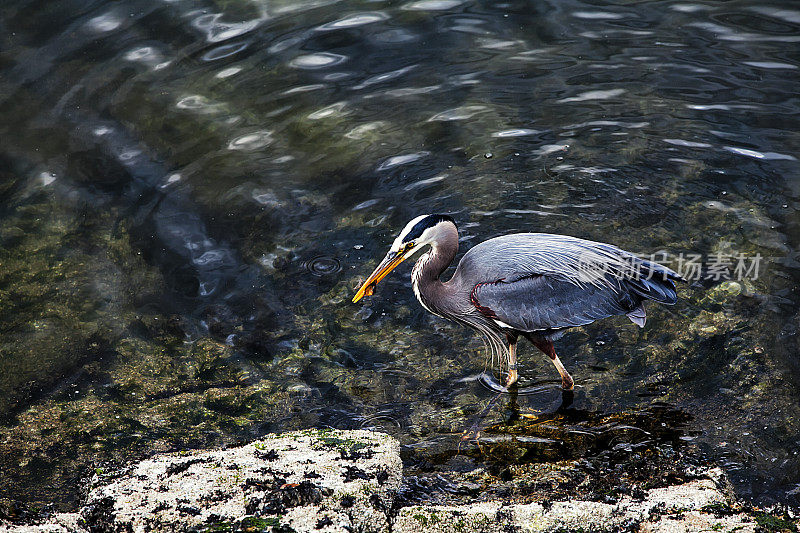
570 433
602 455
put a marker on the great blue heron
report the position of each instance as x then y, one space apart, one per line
534 285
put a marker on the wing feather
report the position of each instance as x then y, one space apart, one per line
539 281
541 303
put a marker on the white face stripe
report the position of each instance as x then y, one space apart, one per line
430 236
398 242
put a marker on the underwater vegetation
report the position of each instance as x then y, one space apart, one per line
190 194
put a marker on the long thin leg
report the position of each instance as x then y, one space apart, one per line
547 347
513 375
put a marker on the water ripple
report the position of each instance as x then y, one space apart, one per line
770 64
217 31
728 34
788 15
266 198
318 60
47 178
104 23
551 148
605 34
433 5
593 95
364 130
760 155
366 204
211 258
285 44
396 36
371 422
720 107
402 160
323 266
519 132
228 72
458 113
198 103
631 125
354 20
410 91
304 88
226 50
597 15
689 8
328 111
386 76
251 141
424 183
688 144
489 381
147 55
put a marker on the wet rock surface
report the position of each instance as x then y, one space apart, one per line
329 480
674 508
298 481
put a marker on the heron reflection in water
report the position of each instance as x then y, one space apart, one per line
532 285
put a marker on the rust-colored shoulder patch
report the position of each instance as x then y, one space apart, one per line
473 297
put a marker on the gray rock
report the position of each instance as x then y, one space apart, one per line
316 480
665 509
329 480
60 523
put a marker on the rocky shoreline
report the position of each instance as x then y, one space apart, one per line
332 480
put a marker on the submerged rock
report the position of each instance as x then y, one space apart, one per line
331 480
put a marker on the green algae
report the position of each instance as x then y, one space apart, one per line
132 393
248 524
770 522
327 440
58 302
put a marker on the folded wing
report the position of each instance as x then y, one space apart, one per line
537 303
543 282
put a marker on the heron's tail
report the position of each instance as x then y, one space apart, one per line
654 282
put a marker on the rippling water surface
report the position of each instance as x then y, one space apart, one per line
190 191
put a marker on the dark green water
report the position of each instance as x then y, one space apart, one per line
190 191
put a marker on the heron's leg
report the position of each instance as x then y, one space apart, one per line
547 347
513 375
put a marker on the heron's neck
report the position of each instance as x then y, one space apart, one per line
429 289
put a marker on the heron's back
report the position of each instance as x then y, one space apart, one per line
570 258
541 280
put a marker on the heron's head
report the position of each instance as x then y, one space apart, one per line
421 231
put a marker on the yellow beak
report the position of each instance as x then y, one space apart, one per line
391 260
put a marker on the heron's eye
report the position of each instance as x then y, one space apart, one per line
409 245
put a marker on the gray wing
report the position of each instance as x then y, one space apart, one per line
536 281
541 302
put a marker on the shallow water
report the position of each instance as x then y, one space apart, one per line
191 191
